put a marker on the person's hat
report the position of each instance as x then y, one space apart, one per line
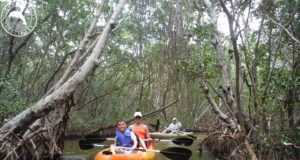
137 114
174 119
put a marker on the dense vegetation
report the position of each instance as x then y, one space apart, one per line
243 68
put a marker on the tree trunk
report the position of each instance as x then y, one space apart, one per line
20 123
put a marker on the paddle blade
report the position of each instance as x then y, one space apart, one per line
183 141
192 136
107 152
176 153
85 145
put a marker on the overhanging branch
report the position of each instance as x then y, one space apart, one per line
130 120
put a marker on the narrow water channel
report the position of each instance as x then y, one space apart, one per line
72 148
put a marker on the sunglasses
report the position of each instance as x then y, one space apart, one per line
137 117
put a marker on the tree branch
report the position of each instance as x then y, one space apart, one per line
285 29
130 120
50 102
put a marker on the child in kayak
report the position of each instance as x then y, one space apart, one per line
124 138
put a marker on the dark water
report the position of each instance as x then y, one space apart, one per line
72 148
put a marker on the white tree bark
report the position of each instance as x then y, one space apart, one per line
78 58
215 107
217 43
226 86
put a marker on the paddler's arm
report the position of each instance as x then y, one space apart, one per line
170 126
143 143
112 147
116 141
134 139
147 136
179 125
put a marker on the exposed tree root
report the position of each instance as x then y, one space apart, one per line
229 145
33 143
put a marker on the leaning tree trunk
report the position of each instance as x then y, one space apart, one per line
79 57
21 122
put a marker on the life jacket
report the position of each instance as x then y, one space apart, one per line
124 138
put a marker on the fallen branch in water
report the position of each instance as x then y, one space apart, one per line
95 132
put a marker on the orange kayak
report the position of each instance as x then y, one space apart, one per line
134 156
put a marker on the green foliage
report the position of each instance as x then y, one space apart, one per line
11 101
204 32
157 48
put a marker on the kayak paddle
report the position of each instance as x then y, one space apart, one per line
86 145
192 136
178 141
173 153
